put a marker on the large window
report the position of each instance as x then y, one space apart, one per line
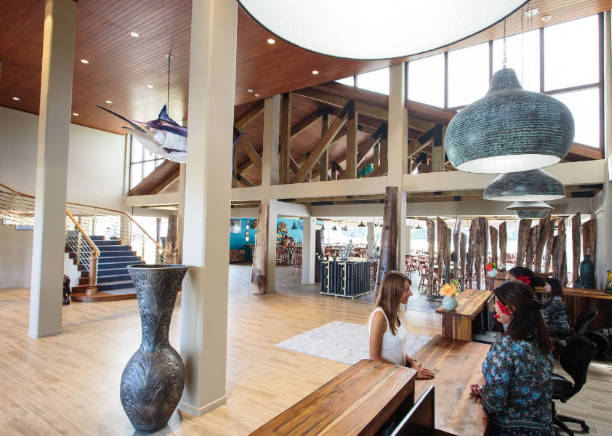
142 162
377 81
468 74
522 55
426 80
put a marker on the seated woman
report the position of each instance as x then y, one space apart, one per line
553 310
524 275
387 333
517 389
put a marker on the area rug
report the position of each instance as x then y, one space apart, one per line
343 342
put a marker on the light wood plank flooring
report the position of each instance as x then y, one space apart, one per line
69 384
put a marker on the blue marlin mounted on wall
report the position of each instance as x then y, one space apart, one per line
163 136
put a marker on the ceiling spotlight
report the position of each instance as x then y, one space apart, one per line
134 35
75 114
256 95
108 102
84 61
546 18
16 99
150 86
250 90
271 41
315 72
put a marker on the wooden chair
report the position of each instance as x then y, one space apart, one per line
297 264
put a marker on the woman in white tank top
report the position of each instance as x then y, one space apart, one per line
387 333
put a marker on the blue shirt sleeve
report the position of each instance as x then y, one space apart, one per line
496 370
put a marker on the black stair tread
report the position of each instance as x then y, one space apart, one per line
118 282
114 278
116 265
108 242
113 272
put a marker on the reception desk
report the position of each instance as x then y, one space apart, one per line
457 324
349 278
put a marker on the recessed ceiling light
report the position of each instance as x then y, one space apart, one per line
271 41
16 99
84 61
134 35
315 72
256 95
249 90
108 102
150 86
546 18
75 114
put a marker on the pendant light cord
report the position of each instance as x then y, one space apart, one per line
505 54
168 98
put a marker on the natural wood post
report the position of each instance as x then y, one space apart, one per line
559 257
431 236
478 248
285 139
324 161
376 157
549 246
484 229
447 252
388 238
260 253
576 225
93 272
462 253
545 226
531 246
589 238
171 240
456 234
440 246
523 236
493 235
351 144
503 241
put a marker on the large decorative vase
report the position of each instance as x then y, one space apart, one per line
152 381
449 302
587 272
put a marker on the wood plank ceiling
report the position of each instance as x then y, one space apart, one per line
121 66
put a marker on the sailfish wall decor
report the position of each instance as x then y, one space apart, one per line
163 136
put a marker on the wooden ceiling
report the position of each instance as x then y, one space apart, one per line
120 66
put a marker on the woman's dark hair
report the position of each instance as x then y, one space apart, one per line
520 272
555 286
527 323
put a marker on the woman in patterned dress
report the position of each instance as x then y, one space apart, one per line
553 310
517 389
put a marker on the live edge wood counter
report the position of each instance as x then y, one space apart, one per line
356 402
457 324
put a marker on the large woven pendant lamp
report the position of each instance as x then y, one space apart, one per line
529 206
509 130
532 214
534 185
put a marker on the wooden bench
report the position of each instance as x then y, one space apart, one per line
359 401
457 324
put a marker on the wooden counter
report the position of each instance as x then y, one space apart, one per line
457 365
578 299
457 324
357 402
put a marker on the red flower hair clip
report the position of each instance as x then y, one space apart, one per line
525 279
503 308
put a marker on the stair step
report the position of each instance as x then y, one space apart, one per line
111 248
97 238
115 278
122 284
108 242
115 265
112 272
121 253
114 259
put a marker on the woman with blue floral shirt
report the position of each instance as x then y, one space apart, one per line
553 310
517 389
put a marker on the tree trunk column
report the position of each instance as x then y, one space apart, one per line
51 169
308 250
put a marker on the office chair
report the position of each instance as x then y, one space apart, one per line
584 319
575 360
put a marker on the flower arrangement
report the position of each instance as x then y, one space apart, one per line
491 269
450 289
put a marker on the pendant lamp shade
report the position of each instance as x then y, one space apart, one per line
534 185
529 205
364 29
509 130
532 214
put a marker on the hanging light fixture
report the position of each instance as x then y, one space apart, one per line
532 214
534 185
314 24
509 129
361 224
345 228
335 228
294 226
529 205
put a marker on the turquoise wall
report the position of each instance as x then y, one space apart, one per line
237 241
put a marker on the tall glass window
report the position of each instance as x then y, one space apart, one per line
377 81
142 162
426 80
584 105
350 81
468 74
523 55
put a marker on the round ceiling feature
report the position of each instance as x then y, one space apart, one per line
534 185
509 130
363 29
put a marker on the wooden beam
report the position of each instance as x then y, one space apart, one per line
250 150
305 123
378 112
351 144
384 163
438 156
324 160
285 136
321 146
250 115
585 151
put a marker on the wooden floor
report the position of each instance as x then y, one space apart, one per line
69 384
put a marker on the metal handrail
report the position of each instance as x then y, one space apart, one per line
91 264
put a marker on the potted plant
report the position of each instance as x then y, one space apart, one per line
491 269
450 291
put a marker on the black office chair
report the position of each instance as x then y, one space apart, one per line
575 360
584 319
560 339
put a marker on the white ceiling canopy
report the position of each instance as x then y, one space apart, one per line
381 29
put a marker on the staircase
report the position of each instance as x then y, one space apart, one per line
114 282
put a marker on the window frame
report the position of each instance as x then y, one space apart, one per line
141 162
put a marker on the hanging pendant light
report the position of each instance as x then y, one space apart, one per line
509 130
335 228
345 228
361 224
532 214
534 185
529 205
294 226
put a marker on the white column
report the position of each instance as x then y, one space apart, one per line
269 176
408 238
52 168
308 250
203 339
397 139
604 216
371 248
